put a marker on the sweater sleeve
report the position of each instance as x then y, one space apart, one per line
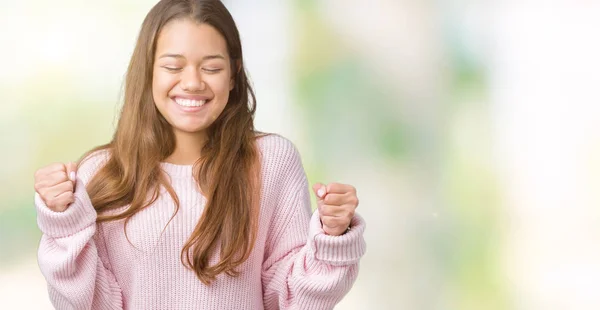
71 254
304 268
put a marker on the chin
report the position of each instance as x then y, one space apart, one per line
191 129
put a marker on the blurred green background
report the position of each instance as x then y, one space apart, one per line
470 129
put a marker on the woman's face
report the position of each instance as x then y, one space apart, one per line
191 75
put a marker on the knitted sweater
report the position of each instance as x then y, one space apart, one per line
293 265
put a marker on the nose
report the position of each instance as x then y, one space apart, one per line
191 81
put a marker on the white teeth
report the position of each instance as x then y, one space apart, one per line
189 102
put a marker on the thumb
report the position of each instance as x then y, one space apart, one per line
320 190
72 172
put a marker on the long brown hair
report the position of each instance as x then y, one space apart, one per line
227 172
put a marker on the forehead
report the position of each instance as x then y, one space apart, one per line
190 39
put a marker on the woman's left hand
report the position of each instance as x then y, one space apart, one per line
336 203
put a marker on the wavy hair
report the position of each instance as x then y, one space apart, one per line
227 172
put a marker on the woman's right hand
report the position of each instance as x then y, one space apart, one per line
56 184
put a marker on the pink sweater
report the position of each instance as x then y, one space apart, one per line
293 265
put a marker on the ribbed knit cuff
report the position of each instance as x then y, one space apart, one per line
346 249
79 215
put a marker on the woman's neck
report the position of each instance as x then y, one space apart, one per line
188 148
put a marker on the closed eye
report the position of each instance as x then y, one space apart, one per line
172 69
212 70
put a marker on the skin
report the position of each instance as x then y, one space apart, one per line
192 62
336 204
55 184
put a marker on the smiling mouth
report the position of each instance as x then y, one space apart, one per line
190 102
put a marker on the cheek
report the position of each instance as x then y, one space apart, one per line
161 85
220 87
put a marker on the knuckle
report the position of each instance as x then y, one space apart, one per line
320 207
328 209
43 193
40 175
55 166
41 188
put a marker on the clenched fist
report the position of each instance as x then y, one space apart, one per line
336 203
56 184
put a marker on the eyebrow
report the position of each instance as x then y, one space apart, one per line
215 56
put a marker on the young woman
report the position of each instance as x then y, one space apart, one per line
188 207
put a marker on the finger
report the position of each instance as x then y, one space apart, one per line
339 188
61 202
72 172
56 190
320 190
348 198
337 199
50 180
44 171
346 211
53 168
